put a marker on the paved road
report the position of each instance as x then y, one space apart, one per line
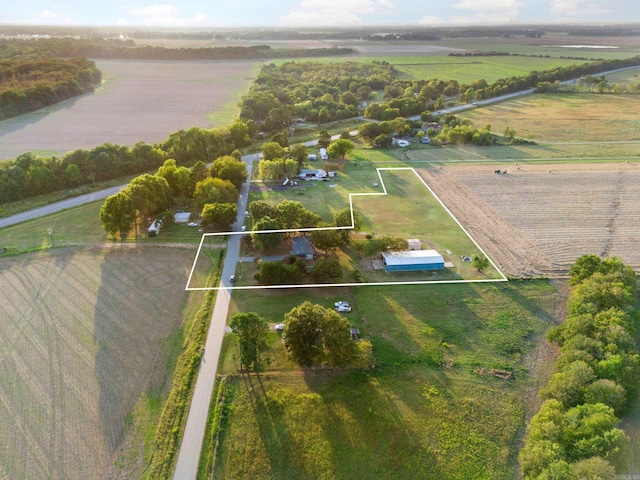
59 206
189 456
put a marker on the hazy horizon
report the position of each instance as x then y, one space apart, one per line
310 13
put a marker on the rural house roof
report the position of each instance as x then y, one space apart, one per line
412 257
301 245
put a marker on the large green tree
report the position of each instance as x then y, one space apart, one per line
326 239
220 216
251 330
316 335
266 241
228 168
215 190
117 214
342 218
272 150
340 148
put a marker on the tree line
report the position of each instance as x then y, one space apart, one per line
29 85
65 47
30 174
576 433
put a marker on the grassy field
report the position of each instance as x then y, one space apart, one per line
81 226
434 406
566 118
470 69
88 340
626 77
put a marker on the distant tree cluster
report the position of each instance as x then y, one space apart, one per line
28 85
67 47
575 434
317 92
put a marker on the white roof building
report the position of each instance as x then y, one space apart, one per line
413 260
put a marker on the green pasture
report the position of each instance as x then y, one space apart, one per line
558 118
626 77
470 69
80 226
431 408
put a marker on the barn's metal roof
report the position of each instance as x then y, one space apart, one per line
412 257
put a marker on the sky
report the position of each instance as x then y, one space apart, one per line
304 13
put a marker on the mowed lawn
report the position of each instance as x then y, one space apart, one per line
84 336
80 226
566 118
434 407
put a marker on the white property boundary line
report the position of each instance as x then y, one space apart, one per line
351 195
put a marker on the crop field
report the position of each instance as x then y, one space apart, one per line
455 366
138 101
566 118
83 334
537 219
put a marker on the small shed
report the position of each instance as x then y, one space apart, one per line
302 247
323 154
182 217
414 244
413 261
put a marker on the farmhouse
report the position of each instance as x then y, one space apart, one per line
413 260
302 247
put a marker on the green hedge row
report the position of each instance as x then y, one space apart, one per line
575 434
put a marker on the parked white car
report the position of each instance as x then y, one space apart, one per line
343 308
341 303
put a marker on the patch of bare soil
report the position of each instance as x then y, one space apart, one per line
537 219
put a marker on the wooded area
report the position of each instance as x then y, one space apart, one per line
28 85
127 49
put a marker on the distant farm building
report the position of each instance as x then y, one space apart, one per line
323 154
301 247
308 174
414 244
413 260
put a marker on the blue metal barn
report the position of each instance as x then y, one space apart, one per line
413 261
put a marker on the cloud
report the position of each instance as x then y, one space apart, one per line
336 12
57 17
481 12
577 8
162 16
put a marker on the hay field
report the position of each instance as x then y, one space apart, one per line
138 101
538 219
83 333
565 118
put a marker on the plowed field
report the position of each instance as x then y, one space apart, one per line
81 335
537 219
139 101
